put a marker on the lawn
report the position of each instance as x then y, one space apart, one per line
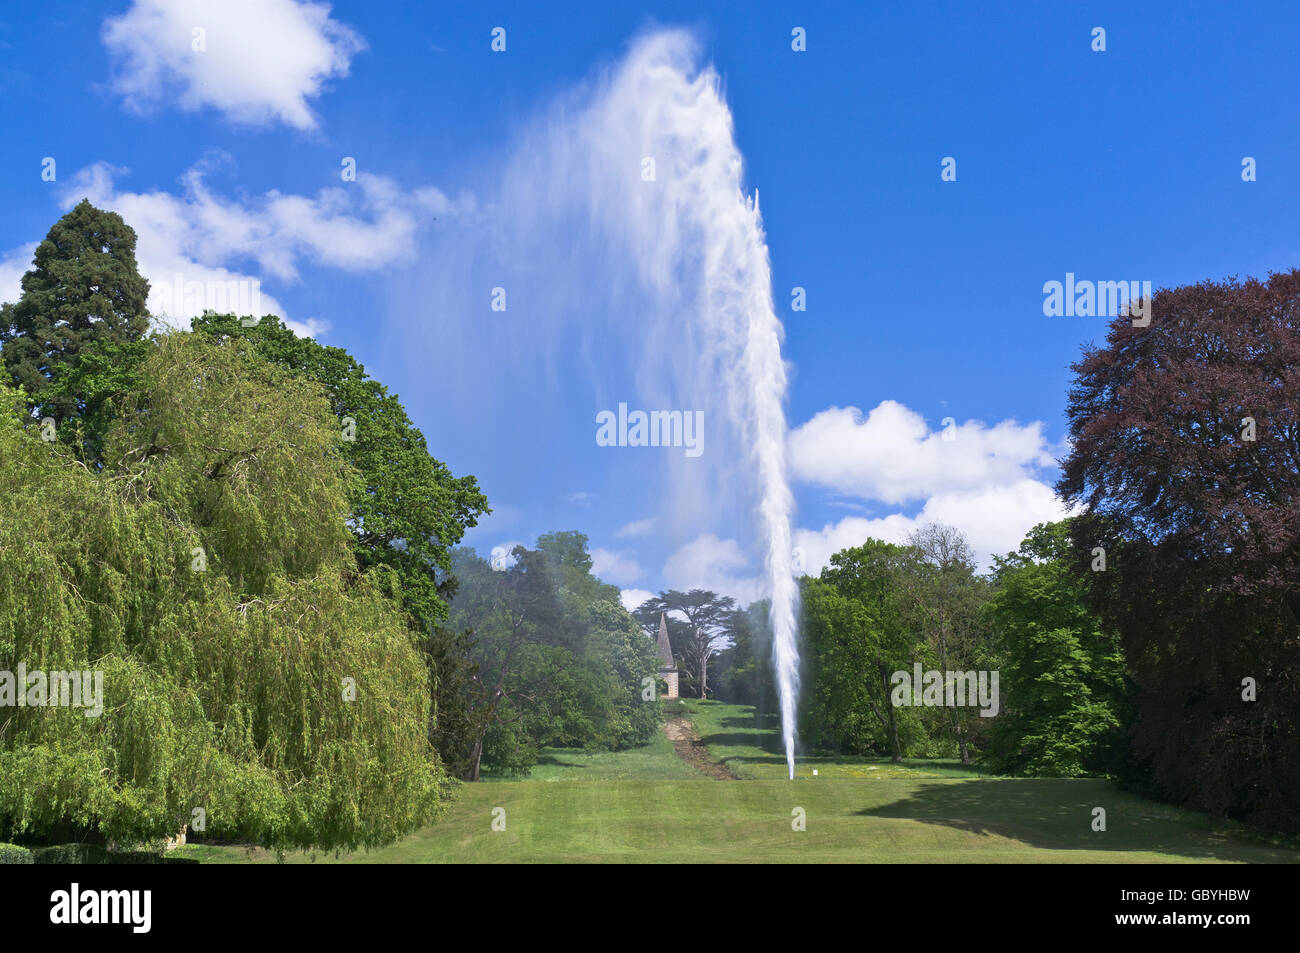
655 762
648 806
751 746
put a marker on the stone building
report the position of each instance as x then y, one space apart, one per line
667 667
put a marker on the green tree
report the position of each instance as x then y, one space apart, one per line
615 638
509 611
945 596
83 291
104 377
406 509
557 660
1062 675
857 633
743 670
453 673
249 667
567 550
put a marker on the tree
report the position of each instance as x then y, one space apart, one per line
406 508
105 375
596 701
1185 453
508 610
557 660
710 619
615 637
453 728
567 550
742 672
946 595
856 635
83 291
1062 674
249 667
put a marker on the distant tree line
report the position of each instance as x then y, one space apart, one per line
552 659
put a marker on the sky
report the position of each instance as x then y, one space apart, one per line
226 131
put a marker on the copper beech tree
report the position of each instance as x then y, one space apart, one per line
1186 455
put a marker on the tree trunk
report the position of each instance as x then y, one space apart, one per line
955 716
893 735
476 758
961 739
893 722
497 693
890 724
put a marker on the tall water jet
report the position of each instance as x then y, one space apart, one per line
766 380
706 226
640 171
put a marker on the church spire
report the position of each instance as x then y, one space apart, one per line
665 648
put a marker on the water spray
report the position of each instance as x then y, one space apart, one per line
648 156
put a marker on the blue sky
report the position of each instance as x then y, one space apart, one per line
924 297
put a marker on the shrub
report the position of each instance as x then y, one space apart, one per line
95 854
13 854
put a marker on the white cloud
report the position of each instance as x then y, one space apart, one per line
891 454
632 598
616 567
987 482
13 265
200 236
995 519
819 545
708 562
500 556
261 60
637 528
361 228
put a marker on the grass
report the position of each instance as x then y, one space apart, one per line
649 806
656 761
750 745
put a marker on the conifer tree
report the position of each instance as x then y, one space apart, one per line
84 290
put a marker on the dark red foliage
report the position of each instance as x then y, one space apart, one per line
1202 530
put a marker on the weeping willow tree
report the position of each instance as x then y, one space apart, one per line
250 671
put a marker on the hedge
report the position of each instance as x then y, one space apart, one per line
94 854
13 854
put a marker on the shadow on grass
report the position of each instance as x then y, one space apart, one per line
555 758
1056 814
722 745
754 722
738 739
762 733
559 762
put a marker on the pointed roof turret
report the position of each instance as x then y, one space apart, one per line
665 648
